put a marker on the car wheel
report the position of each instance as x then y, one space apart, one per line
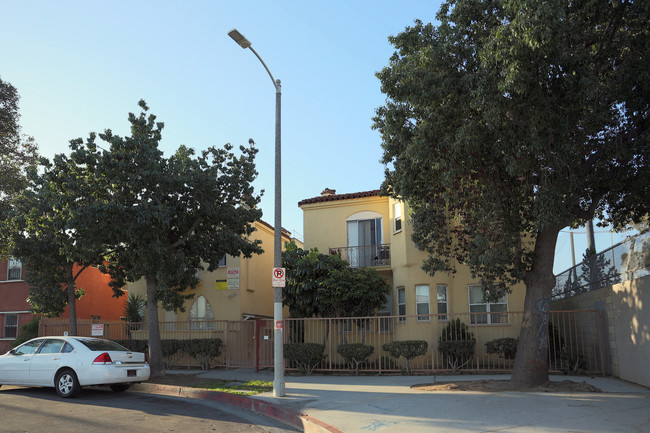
67 384
120 387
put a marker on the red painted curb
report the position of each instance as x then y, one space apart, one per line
295 419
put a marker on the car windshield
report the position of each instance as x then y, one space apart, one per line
98 345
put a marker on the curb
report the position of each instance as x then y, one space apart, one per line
295 419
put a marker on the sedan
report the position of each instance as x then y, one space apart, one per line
68 363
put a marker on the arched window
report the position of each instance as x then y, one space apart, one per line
201 314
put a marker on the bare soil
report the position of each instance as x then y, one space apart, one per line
564 386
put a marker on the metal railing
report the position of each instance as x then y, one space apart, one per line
625 261
576 341
364 255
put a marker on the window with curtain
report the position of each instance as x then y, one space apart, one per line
498 310
201 314
14 269
422 303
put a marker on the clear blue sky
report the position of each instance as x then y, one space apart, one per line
81 66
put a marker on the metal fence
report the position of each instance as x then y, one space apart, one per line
625 261
576 341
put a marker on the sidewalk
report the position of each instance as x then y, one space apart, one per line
387 404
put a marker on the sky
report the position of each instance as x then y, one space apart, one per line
82 66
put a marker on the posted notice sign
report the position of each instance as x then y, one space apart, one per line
97 330
279 277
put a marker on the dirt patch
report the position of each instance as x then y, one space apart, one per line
564 386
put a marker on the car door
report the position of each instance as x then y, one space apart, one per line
46 361
14 366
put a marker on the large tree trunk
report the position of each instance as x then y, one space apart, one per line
531 363
155 346
72 300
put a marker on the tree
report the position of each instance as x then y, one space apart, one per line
46 242
163 219
305 272
18 153
352 292
509 121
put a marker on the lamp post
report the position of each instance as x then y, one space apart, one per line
278 333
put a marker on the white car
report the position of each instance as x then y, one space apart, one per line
68 363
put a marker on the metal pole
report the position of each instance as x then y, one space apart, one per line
278 336
278 325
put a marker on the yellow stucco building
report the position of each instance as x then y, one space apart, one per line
367 229
239 289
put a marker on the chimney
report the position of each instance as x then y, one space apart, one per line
328 191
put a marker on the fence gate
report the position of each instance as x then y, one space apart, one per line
250 344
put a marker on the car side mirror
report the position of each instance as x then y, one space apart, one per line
12 352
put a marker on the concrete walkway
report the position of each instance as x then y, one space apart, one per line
349 404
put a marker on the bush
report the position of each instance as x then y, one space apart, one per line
135 345
306 356
169 349
457 344
409 349
27 331
355 354
204 350
504 347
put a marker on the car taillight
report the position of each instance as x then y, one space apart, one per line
103 359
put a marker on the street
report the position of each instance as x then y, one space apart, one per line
101 410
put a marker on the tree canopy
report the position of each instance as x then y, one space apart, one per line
17 154
161 218
509 121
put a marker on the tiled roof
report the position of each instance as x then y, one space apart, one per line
336 197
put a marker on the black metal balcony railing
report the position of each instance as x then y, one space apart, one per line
365 255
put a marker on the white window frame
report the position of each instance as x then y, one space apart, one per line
397 217
12 265
222 262
201 319
494 315
419 300
443 316
401 305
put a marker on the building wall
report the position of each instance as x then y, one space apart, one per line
252 298
98 301
325 227
628 325
13 300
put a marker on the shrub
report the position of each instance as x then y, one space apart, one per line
169 349
355 354
504 347
27 331
409 349
204 350
457 344
305 355
135 345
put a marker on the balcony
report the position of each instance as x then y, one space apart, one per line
365 255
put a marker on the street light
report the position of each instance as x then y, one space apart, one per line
278 333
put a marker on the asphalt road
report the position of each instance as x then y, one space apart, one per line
96 410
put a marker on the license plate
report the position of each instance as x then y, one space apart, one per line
131 373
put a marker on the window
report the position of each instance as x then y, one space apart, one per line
386 325
397 212
442 302
422 303
28 348
52 346
401 304
364 231
222 262
11 326
477 305
201 314
14 269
